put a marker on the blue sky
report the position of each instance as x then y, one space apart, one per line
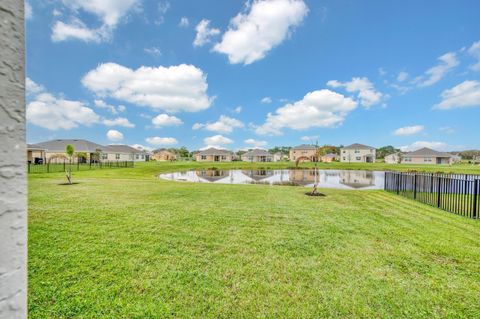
239 74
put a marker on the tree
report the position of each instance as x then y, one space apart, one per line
183 152
386 150
280 149
69 150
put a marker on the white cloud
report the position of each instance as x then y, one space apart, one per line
141 147
217 140
409 130
224 124
266 100
447 63
474 51
166 120
109 12
28 11
53 113
237 110
156 140
162 7
367 94
447 129
32 87
119 121
153 51
402 76
175 88
121 108
382 72
255 143
465 94
76 29
101 104
114 135
184 23
309 138
264 25
322 108
204 33
438 146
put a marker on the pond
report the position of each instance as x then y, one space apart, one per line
340 179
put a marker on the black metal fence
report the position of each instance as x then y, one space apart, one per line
455 193
65 165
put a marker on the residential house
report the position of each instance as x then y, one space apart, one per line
116 152
257 155
278 156
456 158
426 156
476 159
163 154
214 155
306 152
357 179
328 158
55 150
394 158
35 154
357 153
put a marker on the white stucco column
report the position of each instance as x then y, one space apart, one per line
13 185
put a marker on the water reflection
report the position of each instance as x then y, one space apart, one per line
341 179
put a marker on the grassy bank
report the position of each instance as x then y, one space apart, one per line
123 244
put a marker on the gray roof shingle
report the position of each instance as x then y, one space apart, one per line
79 145
427 152
304 147
214 151
257 152
121 149
357 146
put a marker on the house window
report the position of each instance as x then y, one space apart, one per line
427 159
344 152
117 156
358 158
203 157
143 156
224 157
407 159
137 156
104 156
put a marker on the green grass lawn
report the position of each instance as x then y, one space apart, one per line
123 244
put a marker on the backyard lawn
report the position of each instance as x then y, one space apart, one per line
123 244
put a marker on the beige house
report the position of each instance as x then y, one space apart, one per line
257 155
426 156
476 159
328 158
214 155
394 158
357 153
35 154
123 153
307 152
55 150
163 154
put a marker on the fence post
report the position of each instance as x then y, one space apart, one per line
415 186
398 183
64 165
475 197
78 165
439 191
28 165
